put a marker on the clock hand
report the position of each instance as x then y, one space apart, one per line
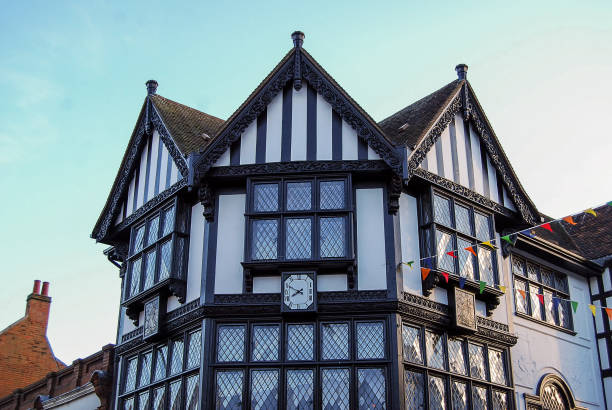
298 291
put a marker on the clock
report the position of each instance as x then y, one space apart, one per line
299 292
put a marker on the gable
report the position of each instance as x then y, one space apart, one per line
297 125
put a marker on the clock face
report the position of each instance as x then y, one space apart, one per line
299 292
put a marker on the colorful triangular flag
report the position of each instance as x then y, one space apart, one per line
445 276
489 244
471 250
409 263
502 288
593 309
461 282
482 286
555 302
574 305
541 297
609 312
508 239
546 226
569 220
425 273
590 211
522 292
528 233
452 253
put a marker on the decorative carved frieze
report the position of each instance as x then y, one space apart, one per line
297 167
131 335
182 310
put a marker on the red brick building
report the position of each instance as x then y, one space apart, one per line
25 352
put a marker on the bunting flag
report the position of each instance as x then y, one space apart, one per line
593 309
541 298
471 249
502 288
546 226
590 211
482 286
489 244
528 233
574 305
569 220
555 302
409 264
425 272
610 203
461 282
609 313
452 253
445 276
509 240
522 292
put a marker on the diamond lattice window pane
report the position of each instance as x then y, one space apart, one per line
194 348
150 262
128 404
561 282
497 366
479 398
299 238
192 385
518 266
166 260
435 349
456 356
444 244
299 196
536 307
174 399
565 316
266 197
300 389
153 230
335 386
371 388
521 303
264 389
414 390
483 230
332 237
136 267
300 341
549 308
159 398
411 341
370 340
143 400
332 195
265 239
168 221
230 343
176 364
548 277
532 272
437 393
462 219
228 390
265 343
145 369
459 396
485 265
334 341
477 362
442 214
553 398
466 259
500 400
161 361
130 374
138 241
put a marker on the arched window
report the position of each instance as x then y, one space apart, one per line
553 394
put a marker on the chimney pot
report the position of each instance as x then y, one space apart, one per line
151 87
45 289
461 70
36 289
298 39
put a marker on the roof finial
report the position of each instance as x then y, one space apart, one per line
151 87
298 39
461 70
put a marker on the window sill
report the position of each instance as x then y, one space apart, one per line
168 287
543 323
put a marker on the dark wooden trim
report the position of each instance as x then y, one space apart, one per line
135 193
439 157
286 123
389 235
336 136
160 149
485 171
212 254
168 170
235 152
311 124
260 149
147 170
453 141
204 265
297 167
468 151
362 149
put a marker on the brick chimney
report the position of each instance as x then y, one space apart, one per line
38 305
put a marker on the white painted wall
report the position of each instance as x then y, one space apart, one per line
230 244
142 176
493 192
172 303
477 162
126 323
196 251
372 155
266 284
86 402
349 142
447 154
371 261
464 178
163 170
153 165
130 196
248 143
324 129
508 203
409 236
274 123
224 159
175 174
298 124
331 283
432 160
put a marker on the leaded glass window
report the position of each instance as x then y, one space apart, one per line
497 366
370 340
230 343
143 400
414 390
159 398
176 365
130 374
332 194
298 238
300 342
437 393
265 343
299 196
435 349
479 398
300 389
194 348
145 369
411 340
459 395
265 197
174 396
477 361
334 341
371 388
228 389
161 362
335 388
456 356
265 239
264 389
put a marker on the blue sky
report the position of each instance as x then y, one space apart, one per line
72 82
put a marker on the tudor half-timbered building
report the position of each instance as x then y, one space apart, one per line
261 258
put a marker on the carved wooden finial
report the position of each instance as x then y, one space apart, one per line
461 70
298 40
151 87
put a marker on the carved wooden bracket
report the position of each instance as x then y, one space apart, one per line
394 192
207 199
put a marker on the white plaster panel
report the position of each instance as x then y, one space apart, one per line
508 203
372 155
324 129
493 192
163 170
608 388
130 197
439 295
447 155
298 125
464 178
248 143
153 165
349 142
266 284
603 353
331 283
196 250
142 176
606 280
172 303
127 325
598 316
432 160
481 308
371 259
274 124
88 401
477 162
174 176
594 285
230 244
224 159
409 236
